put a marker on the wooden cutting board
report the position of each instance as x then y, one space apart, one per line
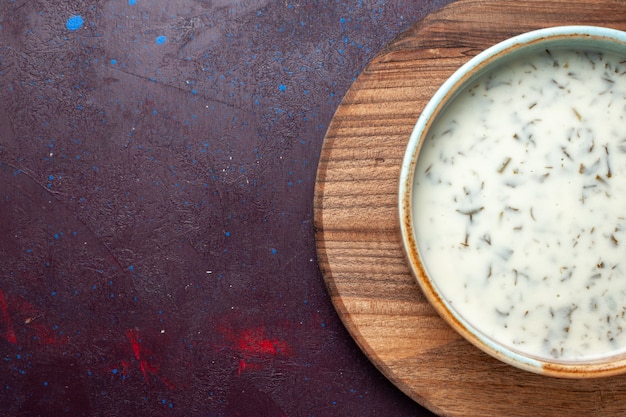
357 229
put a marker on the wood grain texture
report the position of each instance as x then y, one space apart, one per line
357 229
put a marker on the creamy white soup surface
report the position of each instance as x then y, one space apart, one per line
520 204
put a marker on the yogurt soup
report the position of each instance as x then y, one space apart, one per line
520 204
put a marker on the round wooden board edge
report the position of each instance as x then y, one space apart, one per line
444 14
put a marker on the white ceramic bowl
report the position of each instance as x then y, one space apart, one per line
511 197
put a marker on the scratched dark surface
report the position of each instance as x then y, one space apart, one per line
157 166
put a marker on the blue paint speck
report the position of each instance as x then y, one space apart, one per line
50 177
114 371
282 87
227 233
53 293
132 2
274 251
131 268
113 61
160 40
75 22
45 383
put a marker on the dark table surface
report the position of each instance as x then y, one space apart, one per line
157 168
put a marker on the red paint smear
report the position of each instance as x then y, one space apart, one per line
5 319
140 354
253 347
168 383
243 365
125 367
133 338
254 341
34 333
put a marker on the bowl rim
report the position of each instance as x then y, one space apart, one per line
603 367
